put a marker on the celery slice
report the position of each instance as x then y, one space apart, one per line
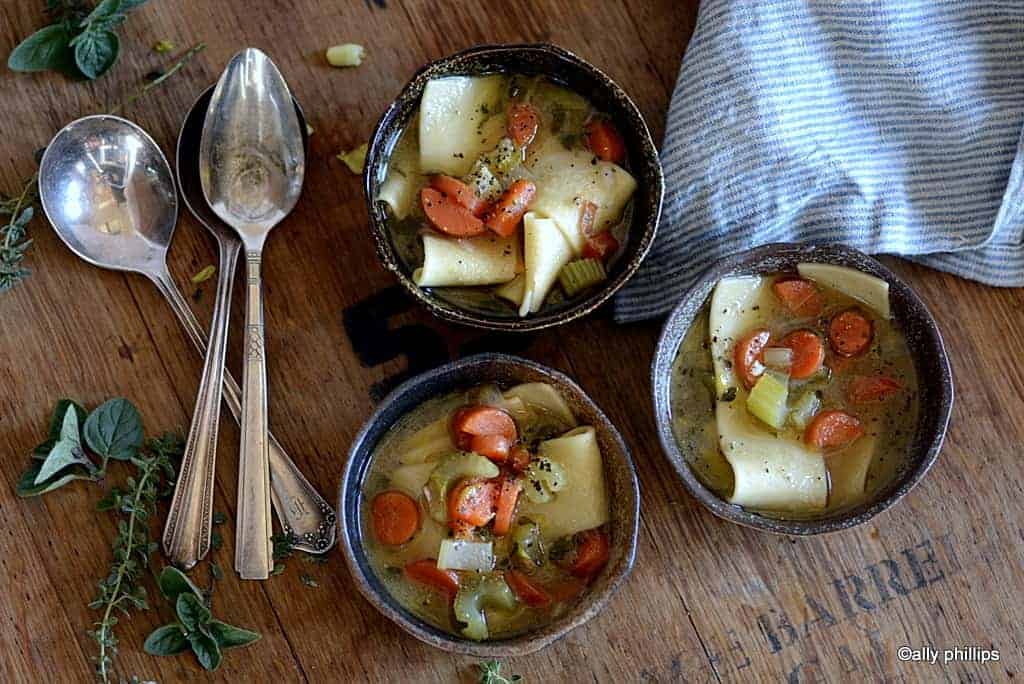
767 401
804 409
581 274
459 554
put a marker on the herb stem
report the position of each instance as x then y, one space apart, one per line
130 100
121 569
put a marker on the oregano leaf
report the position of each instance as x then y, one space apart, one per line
45 49
59 415
167 640
229 636
106 10
114 430
173 582
69 430
65 453
27 486
96 51
206 650
192 613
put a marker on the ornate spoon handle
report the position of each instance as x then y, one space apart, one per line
300 509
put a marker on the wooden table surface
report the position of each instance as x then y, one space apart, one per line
707 601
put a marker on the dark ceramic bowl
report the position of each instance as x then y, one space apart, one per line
576 74
911 316
620 476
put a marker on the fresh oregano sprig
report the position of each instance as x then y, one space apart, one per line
121 591
489 672
195 628
80 44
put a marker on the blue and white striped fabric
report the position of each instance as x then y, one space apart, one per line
893 126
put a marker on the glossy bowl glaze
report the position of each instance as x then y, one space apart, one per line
620 476
576 74
911 316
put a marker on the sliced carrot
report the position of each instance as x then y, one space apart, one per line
525 590
591 554
472 501
588 217
460 193
604 141
426 572
449 217
808 353
850 332
504 217
508 496
866 389
831 429
519 459
494 447
601 246
748 357
470 421
396 517
523 122
799 296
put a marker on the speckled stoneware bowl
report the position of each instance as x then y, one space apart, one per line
620 476
911 316
576 74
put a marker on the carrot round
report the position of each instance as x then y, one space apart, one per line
850 332
448 217
460 193
472 421
591 554
604 141
472 501
523 122
508 496
396 517
504 217
426 572
748 355
866 389
601 246
831 429
525 590
799 296
494 447
808 353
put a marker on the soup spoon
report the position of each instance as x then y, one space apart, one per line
107 190
252 166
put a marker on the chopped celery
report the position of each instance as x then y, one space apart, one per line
804 409
451 468
483 181
529 548
347 55
459 554
581 274
544 477
767 401
474 596
505 157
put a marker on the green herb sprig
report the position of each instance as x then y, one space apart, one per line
195 628
490 673
79 44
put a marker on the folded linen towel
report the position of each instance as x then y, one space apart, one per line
893 126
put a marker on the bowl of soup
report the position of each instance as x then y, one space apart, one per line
801 389
488 507
512 187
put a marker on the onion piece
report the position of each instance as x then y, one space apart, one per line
459 554
778 357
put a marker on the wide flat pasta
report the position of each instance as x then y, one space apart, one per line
769 472
848 471
545 252
456 122
485 260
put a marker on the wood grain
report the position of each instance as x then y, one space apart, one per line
708 601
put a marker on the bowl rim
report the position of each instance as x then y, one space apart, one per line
668 346
592 603
539 321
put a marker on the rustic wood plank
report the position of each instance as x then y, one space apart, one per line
708 601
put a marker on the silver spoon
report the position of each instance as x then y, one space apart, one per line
302 512
107 190
252 166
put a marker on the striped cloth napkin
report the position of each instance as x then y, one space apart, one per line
893 126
